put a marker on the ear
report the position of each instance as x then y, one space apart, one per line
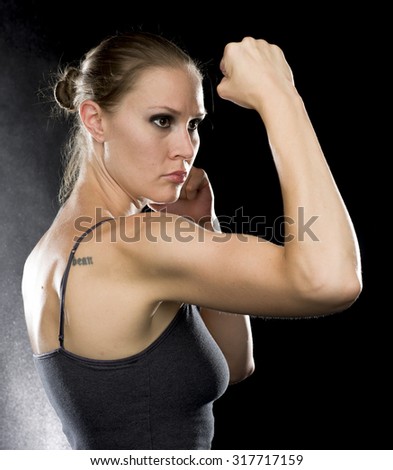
91 116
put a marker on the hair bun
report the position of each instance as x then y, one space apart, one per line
65 89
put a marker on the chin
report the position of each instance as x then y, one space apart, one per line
162 203
156 205
170 199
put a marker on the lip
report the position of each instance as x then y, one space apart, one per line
177 177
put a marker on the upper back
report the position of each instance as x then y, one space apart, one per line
109 311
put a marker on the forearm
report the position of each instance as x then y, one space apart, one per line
233 335
232 332
320 260
320 242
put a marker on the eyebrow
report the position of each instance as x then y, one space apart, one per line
175 111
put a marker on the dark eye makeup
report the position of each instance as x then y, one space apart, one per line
164 121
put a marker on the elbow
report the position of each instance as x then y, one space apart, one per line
352 290
342 298
241 374
334 295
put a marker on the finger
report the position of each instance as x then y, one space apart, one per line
222 67
196 181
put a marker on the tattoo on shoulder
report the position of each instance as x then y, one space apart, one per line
85 261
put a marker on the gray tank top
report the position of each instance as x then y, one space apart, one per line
160 398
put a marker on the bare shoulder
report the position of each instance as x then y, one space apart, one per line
100 279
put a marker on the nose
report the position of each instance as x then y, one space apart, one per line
184 145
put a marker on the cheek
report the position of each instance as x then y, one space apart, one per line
196 142
131 145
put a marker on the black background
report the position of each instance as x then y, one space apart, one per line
319 383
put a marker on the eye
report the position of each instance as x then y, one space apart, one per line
193 125
162 121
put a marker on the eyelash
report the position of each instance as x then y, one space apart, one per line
169 120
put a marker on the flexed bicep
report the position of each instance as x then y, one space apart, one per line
235 273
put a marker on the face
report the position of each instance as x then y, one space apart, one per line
151 139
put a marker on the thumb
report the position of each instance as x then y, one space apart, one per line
221 88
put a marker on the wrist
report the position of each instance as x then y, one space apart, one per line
278 101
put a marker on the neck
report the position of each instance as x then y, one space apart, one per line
97 196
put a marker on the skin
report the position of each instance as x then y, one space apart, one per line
123 301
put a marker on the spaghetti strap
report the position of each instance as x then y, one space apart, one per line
63 284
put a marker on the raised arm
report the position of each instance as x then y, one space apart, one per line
257 76
307 276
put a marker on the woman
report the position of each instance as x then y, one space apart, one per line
141 349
